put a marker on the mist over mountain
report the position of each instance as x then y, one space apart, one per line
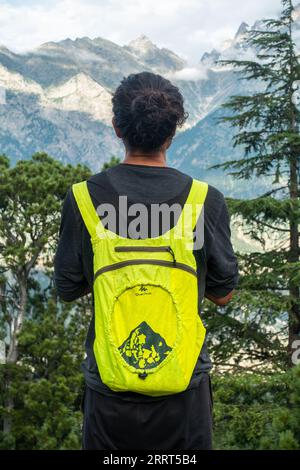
57 98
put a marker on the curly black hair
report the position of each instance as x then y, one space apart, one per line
147 109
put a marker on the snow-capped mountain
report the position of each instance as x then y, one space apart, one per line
57 98
159 60
80 93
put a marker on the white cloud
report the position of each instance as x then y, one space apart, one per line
190 73
188 27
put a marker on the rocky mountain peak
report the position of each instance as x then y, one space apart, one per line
159 59
243 28
210 58
142 44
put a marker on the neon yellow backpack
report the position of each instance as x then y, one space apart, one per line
148 333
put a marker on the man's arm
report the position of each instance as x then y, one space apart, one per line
68 267
222 267
220 301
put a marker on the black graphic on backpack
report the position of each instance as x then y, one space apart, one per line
144 348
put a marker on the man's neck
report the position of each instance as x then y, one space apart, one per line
151 159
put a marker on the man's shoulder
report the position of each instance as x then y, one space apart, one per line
99 177
215 208
167 181
122 168
215 199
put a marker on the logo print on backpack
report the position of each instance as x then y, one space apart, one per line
143 290
144 348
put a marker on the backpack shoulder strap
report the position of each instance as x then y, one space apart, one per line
198 192
191 210
86 208
196 199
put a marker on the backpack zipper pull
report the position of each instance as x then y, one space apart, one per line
143 375
173 255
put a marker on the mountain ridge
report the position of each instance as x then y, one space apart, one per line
57 98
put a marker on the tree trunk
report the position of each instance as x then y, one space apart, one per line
294 291
18 319
12 355
8 403
294 312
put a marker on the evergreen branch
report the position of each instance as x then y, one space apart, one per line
273 191
272 227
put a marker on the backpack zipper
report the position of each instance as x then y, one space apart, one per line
152 249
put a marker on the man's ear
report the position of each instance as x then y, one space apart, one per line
117 131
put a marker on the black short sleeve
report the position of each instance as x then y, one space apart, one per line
222 267
69 275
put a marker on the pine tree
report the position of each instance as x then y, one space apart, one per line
30 205
267 123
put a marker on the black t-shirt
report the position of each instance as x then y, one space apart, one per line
216 263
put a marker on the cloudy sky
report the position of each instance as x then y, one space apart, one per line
188 27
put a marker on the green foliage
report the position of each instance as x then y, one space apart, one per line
239 340
114 161
257 412
46 385
41 381
31 196
284 430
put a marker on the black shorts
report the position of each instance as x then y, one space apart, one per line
182 421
